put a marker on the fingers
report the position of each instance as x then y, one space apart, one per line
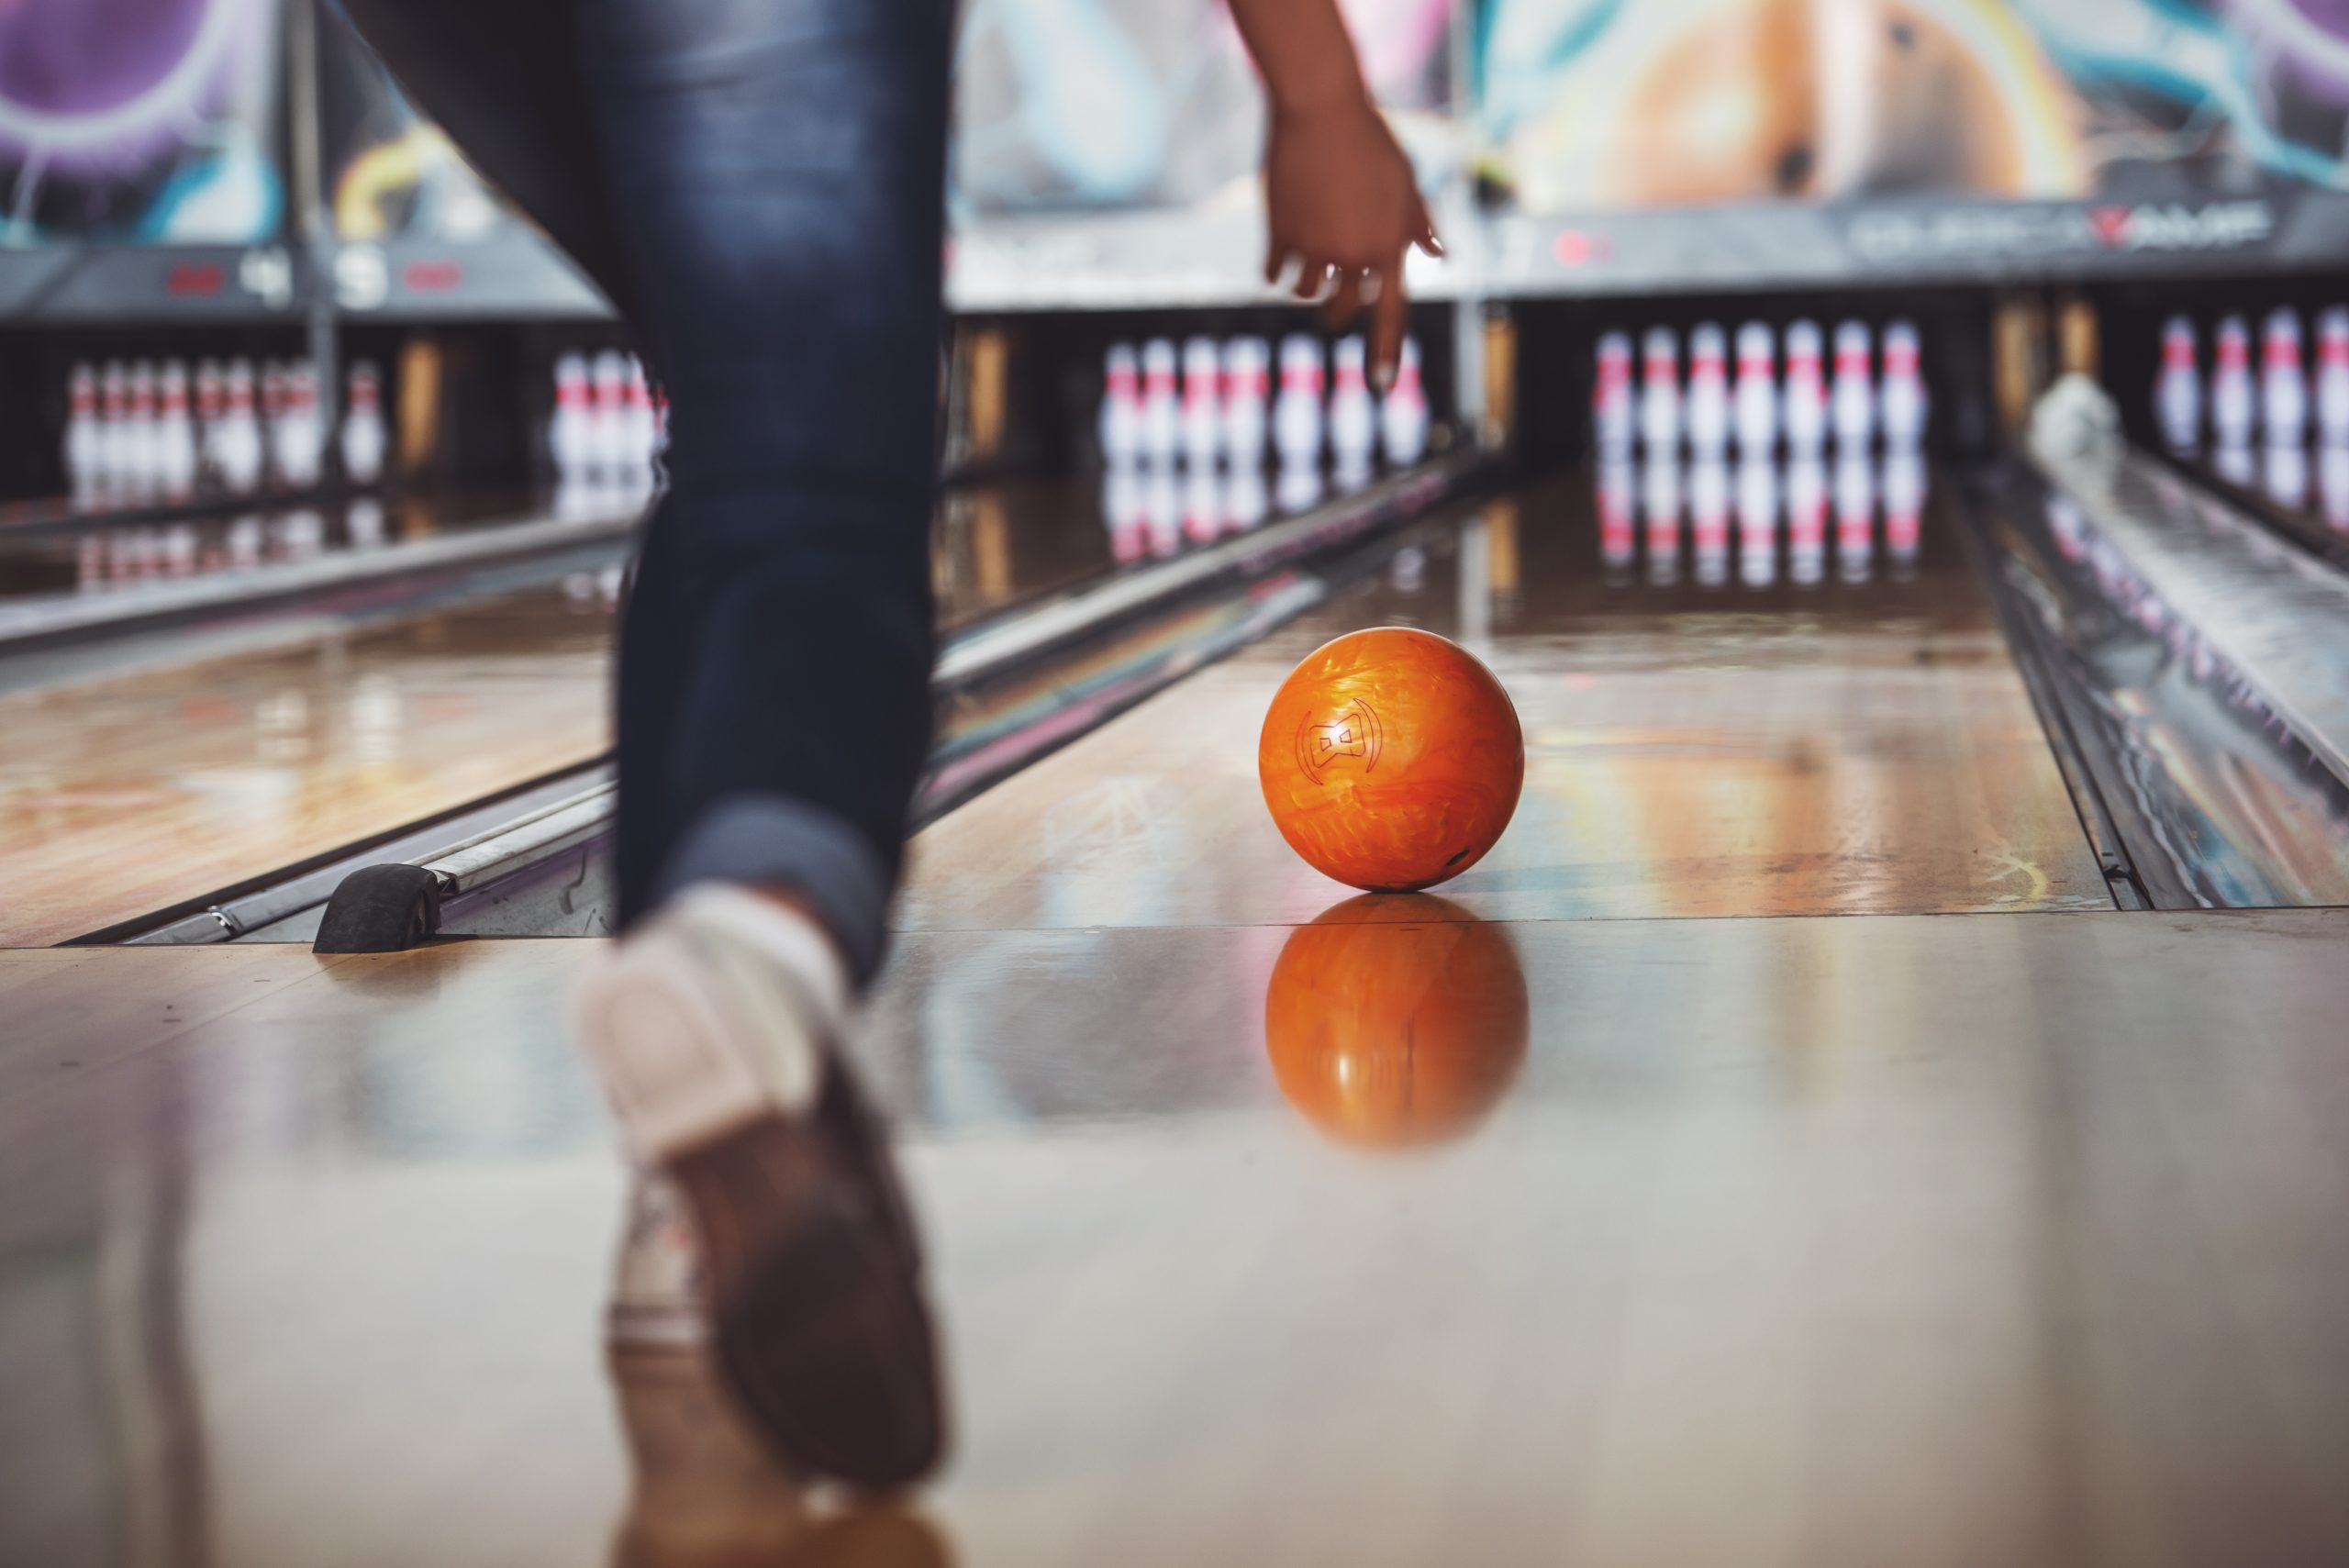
1387 323
1275 256
1312 277
1423 232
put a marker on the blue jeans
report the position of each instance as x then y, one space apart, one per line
757 185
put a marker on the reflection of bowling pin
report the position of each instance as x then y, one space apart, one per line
2285 476
1618 535
1757 391
1298 486
1161 411
1806 411
1353 422
1296 413
2235 462
2333 376
1904 401
1202 507
1707 409
1245 501
1904 503
1660 504
1162 508
1757 520
1124 512
1202 402
1709 509
1854 513
2284 388
1120 423
1806 518
1247 392
1660 390
82 436
1610 394
2231 398
2178 388
1854 391
1403 412
2332 484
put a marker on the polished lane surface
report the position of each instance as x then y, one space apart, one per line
1821 1240
1856 744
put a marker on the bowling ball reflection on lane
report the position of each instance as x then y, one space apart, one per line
1391 759
1395 1021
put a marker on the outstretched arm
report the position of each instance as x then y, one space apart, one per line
1338 196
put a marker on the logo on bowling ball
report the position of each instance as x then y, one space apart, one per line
1354 733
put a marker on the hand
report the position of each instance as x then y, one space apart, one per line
1341 201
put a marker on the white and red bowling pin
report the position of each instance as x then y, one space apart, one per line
1120 418
1202 403
1707 412
1806 395
1403 411
1247 402
2178 387
1353 419
1162 407
571 437
1660 391
240 450
1296 413
2283 381
1610 394
363 438
1757 391
1853 398
175 462
1903 402
2232 404
84 437
2332 377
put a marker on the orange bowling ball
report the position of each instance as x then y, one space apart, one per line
1391 759
1393 1021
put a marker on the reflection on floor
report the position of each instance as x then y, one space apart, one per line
1679 515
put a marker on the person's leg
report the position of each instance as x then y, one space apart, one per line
777 167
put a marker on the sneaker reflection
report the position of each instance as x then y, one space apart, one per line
1396 1019
707 1494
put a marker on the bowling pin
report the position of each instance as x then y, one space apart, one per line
2231 392
1403 412
1353 422
570 439
273 418
114 430
2178 387
83 436
1296 414
1660 390
1610 394
2333 376
1806 410
1202 403
1757 391
305 426
1120 418
1904 401
241 448
608 422
174 434
144 449
1247 394
2284 388
211 413
641 424
364 437
1707 413
1162 410
1853 395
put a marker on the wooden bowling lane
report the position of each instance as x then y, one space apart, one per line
1850 747
127 793
1922 1240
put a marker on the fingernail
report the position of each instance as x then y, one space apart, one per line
1382 377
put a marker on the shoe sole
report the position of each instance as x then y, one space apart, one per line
818 1322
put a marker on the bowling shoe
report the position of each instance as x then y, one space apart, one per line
714 1030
